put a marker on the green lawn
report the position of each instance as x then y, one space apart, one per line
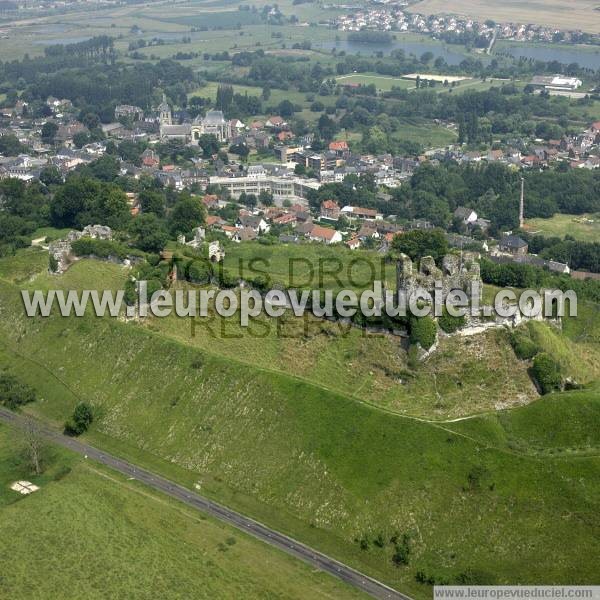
89 533
323 467
582 227
382 82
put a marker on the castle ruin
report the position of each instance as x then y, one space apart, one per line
457 273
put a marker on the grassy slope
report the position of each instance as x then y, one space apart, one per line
315 463
563 424
91 534
456 381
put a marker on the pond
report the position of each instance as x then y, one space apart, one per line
588 57
418 48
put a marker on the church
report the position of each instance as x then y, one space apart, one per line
213 123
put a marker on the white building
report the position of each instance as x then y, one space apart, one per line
282 188
557 83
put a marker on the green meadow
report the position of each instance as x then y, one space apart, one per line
90 533
584 227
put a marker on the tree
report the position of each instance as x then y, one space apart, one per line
187 213
265 198
149 232
327 127
286 109
82 418
423 331
90 120
450 324
199 272
152 201
546 372
14 393
49 130
419 243
83 201
105 168
240 149
209 144
10 145
34 448
50 175
250 201
80 139
224 97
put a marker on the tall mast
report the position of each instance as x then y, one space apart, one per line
522 205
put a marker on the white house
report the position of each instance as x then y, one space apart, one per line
324 234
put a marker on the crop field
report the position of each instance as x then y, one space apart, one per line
582 227
570 14
89 533
218 27
304 457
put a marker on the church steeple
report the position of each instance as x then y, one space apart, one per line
164 112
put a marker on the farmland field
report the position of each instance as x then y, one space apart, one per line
571 14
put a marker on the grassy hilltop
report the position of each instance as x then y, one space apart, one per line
503 497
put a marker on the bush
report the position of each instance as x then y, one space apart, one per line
413 357
474 577
81 420
14 393
546 371
423 331
87 246
401 551
525 348
451 324
199 272
52 264
226 280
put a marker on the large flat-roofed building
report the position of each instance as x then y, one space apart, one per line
557 82
282 188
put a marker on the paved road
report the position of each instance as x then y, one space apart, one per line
270 536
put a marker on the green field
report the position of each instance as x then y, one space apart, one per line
381 82
385 83
322 466
582 227
426 133
90 533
